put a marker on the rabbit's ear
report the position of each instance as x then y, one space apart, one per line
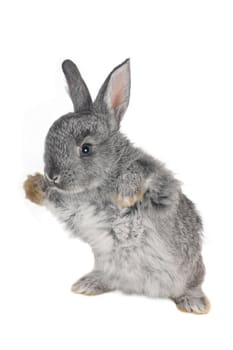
113 97
78 90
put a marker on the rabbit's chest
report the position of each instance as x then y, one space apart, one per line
127 227
103 227
88 222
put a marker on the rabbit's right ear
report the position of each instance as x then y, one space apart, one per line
113 97
79 93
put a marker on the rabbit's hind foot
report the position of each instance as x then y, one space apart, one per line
196 303
91 284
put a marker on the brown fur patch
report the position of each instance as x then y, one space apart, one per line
128 202
33 188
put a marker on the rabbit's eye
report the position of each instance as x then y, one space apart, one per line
85 149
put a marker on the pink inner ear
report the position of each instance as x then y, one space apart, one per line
116 101
117 89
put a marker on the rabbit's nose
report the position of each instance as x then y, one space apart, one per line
54 178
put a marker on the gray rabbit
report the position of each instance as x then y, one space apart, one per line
144 232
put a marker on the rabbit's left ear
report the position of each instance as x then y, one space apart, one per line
113 97
79 92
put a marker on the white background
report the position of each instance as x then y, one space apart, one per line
180 111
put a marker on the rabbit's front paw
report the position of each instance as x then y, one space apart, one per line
128 201
33 188
129 189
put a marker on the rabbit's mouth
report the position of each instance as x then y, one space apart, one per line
69 190
60 184
73 188
54 183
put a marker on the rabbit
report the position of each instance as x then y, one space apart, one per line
145 234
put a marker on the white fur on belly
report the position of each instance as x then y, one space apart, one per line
88 224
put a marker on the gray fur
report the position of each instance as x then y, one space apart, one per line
151 248
79 93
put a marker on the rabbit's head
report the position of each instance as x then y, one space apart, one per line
80 146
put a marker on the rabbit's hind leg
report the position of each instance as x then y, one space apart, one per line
93 283
193 301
